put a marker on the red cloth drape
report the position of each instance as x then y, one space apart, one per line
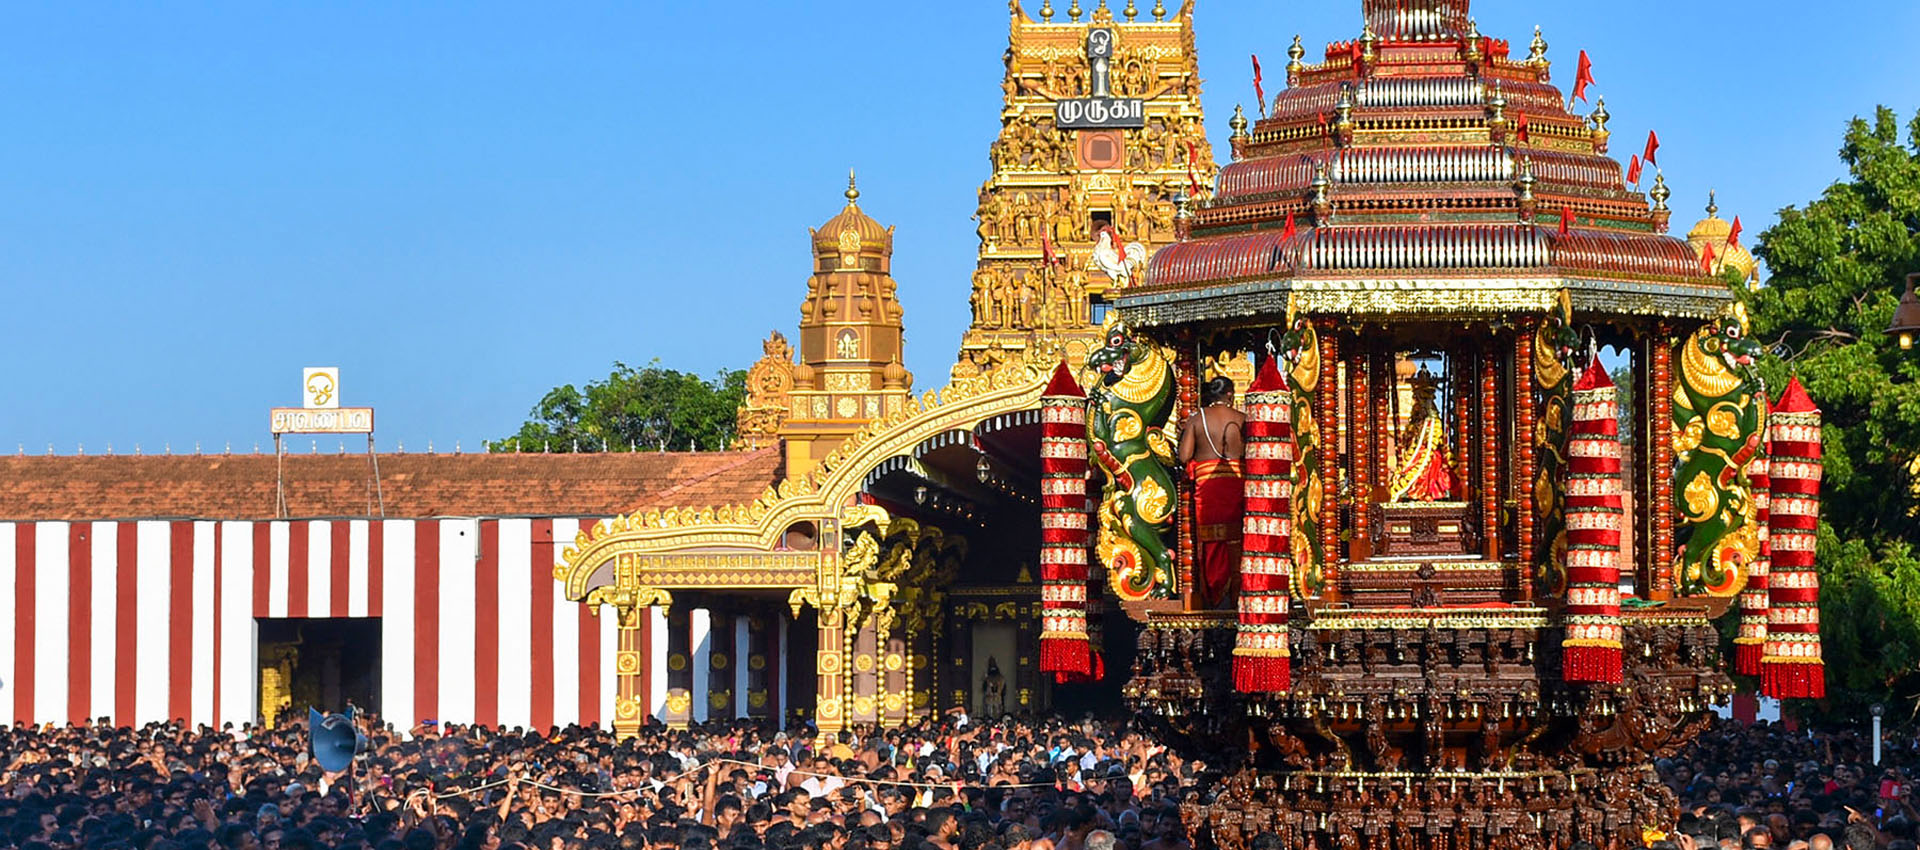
1064 645
1791 664
1262 659
1219 501
1749 645
1591 650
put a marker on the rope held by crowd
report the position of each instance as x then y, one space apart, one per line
850 780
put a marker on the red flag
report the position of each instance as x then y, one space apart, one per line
1566 221
1291 231
1707 258
1259 91
1584 78
1633 171
1046 250
1523 134
1733 236
1193 156
1653 147
1323 120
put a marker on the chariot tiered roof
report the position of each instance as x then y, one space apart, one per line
1422 169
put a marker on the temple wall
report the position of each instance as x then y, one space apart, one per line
157 619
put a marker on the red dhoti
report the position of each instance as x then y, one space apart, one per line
1219 504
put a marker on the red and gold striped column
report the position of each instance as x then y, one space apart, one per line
1330 430
1262 660
1791 665
1064 647
1660 448
1595 522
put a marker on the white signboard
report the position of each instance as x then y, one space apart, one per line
320 387
340 420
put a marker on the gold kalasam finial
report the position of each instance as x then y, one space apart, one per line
853 190
1538 51
1601 115
1659 193
1073 11
1367 41
1294 54
1046 11
1713 206
1159 10
1473 41
1526 179
1131 12
1238 122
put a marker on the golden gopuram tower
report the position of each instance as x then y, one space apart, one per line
851 345
1101 138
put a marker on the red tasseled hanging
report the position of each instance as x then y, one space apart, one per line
1262 660
1791 665
1591 648
1064 647
1749 646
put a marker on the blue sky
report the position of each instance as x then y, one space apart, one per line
464 204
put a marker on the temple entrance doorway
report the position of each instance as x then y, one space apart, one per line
326 663
995 660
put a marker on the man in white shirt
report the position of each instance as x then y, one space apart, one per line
824 781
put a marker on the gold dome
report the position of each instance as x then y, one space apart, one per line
852 231
895 376
1713 231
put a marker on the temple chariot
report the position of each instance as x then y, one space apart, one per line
1457 584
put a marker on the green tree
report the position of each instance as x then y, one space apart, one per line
648 409
1837 266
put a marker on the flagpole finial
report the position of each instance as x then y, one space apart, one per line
1713 204
853 189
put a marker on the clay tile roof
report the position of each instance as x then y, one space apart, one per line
411 485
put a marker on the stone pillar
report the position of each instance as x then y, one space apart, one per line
656 663
777 683
742 648
700 652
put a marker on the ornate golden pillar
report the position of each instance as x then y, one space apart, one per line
847 593
830 702
629 600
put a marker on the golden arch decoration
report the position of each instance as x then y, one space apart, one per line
744 538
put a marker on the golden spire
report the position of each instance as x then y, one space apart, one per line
1159 10
1131 11
1073 11
1294 55
1659 193
853 190
1538 51
1713 206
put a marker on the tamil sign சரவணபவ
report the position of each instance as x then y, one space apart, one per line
339 420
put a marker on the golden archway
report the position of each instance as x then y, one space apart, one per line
638 560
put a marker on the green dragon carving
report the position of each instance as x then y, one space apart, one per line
1553 343
1716 432
1127 412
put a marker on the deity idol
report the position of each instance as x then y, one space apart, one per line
1422 472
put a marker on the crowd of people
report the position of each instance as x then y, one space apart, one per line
1003 785
1012 785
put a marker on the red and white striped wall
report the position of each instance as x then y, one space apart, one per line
156 619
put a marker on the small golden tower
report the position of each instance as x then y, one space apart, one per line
851 341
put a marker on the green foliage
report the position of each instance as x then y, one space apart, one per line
1623 393
650 409
1838 266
